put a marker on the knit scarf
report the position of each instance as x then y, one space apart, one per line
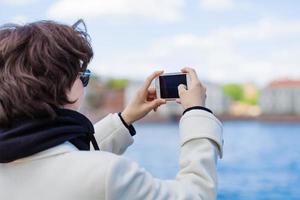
29 136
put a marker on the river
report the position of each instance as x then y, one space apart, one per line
261 160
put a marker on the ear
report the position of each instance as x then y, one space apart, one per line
76 95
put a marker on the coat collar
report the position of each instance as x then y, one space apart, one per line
57 150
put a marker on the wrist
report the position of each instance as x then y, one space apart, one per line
128 120
130 127
194 105
197 108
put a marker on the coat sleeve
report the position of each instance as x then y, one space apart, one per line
111 134
201 143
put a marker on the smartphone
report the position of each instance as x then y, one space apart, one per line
166 85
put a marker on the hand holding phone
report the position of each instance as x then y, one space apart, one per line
195 95
183 87
143 102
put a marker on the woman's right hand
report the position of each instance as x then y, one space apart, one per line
195 95
144 101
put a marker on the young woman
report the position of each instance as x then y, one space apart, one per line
48 150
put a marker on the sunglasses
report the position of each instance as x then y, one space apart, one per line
85 77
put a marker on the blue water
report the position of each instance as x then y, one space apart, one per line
261 160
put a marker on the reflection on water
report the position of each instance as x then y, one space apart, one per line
261 160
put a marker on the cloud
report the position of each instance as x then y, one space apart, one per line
257 52
19 19
216 5
17 2
264 29
161 10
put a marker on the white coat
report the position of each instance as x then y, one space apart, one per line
65 173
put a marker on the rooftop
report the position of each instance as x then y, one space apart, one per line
284 83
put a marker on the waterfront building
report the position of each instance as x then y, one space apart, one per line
281 97
216 100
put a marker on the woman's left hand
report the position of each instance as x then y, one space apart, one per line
144 101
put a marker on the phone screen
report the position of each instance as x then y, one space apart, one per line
169 85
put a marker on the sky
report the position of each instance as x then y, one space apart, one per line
253 41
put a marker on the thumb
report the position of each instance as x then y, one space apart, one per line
156 103
181 89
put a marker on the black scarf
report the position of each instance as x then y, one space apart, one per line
29 136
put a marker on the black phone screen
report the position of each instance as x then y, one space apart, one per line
169 85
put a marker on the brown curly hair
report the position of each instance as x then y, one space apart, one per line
39 62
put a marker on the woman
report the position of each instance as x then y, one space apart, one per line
45 142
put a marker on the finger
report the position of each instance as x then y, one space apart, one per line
156 103
150 78
178 101
192 73
181 89
152 91
151 94
150 98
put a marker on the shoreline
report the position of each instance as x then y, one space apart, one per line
262 118
231 118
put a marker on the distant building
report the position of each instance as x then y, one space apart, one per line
281 97
216 100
